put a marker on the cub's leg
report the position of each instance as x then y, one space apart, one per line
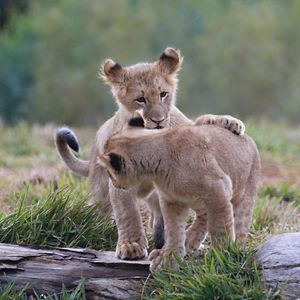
175 222
196 233
228 122
220 210
132 242
243 207
100 192
157 220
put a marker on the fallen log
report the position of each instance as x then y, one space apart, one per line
280 260
47 269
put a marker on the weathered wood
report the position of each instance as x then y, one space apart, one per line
280 259
47 269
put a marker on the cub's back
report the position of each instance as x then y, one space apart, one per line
217 140
236 155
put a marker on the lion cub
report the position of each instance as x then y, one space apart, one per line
205 168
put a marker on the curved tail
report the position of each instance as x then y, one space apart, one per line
66 138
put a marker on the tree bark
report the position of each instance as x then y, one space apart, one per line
47 269
280 260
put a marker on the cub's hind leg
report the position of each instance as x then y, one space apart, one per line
197 231
100 192
243 207
157 220
219 209
147 192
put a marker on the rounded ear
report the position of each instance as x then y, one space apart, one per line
170 61
117 162
112 161
112 72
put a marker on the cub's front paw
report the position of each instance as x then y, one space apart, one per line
234 125
131 250
162 259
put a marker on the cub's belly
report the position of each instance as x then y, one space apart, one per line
178 197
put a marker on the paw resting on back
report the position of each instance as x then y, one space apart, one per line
234 125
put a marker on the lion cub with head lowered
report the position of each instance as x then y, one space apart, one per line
206 168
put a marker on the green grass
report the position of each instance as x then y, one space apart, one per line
10 292
275 140
283 191
62 219
27 146
277 210
229 273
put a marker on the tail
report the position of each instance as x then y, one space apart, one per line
66 137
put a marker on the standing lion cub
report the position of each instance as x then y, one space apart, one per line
205 168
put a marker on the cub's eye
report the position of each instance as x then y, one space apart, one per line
163 95
140 100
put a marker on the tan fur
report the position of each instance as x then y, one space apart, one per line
129 84
205 168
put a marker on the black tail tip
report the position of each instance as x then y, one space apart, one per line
69 137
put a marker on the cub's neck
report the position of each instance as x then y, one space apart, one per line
150 156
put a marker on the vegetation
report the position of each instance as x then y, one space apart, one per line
229 273
43 204
61 220
239 59
9 292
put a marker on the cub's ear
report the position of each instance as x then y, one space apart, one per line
112 161
117 162
170 61
112 72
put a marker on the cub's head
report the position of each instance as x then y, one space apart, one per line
146 88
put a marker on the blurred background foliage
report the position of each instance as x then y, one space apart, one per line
241 57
